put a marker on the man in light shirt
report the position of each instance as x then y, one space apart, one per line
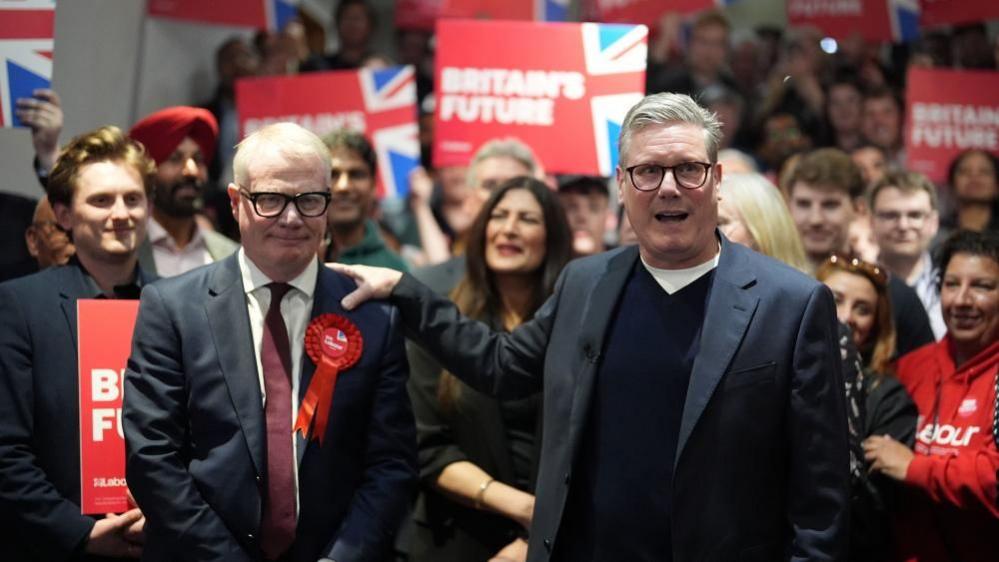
904 220
221 372
182 142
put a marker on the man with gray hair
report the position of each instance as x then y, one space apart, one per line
496 161
693 395
235 444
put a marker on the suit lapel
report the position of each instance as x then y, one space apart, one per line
326 299
146 261
73 287
729 311
600 308
230 328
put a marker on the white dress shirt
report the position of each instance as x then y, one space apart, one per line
296 308
171 260
926 288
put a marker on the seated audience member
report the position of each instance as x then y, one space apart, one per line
825 191
16 212
355 22
736 161
783 137
234 59
949 508
871 161
862 303
354 232
47 242
730 107
882 123
973 177
843 113
905 220
182 142
586 202
494 162
752 212
794 86
478 455
99 189
705 61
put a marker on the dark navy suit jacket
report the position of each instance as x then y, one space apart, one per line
761 471
195 428
40 416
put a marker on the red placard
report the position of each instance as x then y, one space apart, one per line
104 329
948 111
488 9
646 12
417 14
874 20
562 88
379 103
949 12
258 14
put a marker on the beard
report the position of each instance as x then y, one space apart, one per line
181 199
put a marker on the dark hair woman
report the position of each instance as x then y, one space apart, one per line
478 455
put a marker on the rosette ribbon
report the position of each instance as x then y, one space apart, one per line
334 344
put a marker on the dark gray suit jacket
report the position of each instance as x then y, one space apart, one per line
761 470
40 516
195 428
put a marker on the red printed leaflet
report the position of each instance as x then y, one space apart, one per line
104 330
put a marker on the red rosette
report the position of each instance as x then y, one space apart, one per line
334 344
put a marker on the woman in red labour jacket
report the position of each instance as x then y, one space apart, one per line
950 510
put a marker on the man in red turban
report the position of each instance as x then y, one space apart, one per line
182 142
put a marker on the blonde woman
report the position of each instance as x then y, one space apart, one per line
752 212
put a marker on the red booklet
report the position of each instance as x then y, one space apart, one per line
104 329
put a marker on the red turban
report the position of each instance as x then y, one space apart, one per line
163 131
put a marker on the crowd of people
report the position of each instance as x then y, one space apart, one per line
764 338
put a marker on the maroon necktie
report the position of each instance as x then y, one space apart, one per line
277 529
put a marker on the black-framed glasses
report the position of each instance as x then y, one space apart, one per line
895 217
688 175
270 204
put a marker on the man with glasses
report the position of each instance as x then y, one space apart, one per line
904 220
693 398
825 192
229 358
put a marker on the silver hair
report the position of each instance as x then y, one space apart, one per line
502 148
665 108
288 139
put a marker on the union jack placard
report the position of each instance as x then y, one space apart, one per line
562 88
379 103
258 14
26 45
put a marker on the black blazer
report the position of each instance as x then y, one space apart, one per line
40 417
472 430
761 470
195 428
